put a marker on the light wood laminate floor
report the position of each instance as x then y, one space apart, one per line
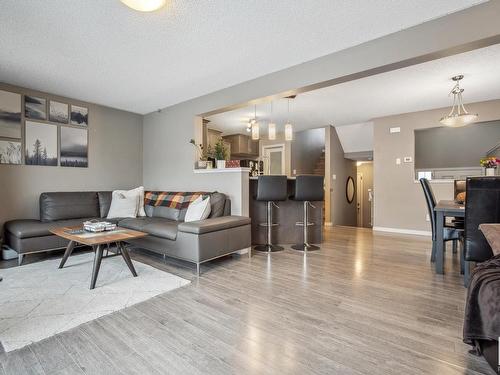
366 303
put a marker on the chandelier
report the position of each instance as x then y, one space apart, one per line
458 115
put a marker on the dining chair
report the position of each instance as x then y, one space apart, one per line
451 231
482 200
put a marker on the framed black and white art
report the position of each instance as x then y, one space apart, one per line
10 152
79 115
10 114
35 108
40 144
74 147
58 112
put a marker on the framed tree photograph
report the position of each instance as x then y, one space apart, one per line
10 152
74 147
40 144
79 115
35 108
58 112
10 114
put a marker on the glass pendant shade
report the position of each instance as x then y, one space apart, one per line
271 131
288 132
255 131
458 115
459 120
145 5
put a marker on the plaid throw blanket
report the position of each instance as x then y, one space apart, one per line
173 199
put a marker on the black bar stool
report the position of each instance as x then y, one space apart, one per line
270 189
308 189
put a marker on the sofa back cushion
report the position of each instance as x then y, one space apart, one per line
68 205
104 198
217 204
173 204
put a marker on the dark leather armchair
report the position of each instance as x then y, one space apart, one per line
482 202
451 231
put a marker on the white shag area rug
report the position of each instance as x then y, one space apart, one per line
39 300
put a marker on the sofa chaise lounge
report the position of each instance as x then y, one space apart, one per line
197 241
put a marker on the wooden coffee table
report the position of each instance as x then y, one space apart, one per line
97 242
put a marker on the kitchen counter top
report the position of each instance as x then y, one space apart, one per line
288 178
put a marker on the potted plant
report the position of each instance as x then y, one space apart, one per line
490 165
220 153
202 154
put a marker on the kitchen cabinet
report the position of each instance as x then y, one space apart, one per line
242 145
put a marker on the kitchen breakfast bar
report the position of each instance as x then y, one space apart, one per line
242 190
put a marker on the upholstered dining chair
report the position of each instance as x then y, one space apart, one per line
483 206
451 231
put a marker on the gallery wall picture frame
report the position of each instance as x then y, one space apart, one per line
79 115
73 147
10 152
40 144
35 107
58 112
10 114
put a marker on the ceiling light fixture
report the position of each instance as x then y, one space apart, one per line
458 115
271 127
255 126
145 5
288 125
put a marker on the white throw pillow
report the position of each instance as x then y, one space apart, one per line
124 204
140 201
199 209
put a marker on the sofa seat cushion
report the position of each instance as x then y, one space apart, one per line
156 226
35 228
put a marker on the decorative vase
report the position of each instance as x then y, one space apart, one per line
209 164
490 171
221 164
201 164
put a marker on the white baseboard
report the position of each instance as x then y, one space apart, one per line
404 231
328 224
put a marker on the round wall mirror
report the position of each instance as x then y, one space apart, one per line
350 189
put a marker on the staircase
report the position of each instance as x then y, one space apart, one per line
319 168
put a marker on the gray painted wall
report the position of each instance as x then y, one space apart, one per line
307 148
399 201
444 147
342 212
115 162
367 170
168 158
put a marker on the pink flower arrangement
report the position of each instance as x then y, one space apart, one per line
491 162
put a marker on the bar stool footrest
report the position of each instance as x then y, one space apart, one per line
305 247
301 224
268 248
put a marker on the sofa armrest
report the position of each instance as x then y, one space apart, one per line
213 224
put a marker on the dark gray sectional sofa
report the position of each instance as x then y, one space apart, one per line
198 241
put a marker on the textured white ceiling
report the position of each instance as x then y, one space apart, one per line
416 88
103 52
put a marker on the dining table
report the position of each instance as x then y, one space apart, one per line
444 209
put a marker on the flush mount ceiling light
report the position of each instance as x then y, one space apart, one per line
145 5
458 115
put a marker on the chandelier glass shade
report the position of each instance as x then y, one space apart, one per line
458 115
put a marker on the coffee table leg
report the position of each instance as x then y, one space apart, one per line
67 253
97 265
126 258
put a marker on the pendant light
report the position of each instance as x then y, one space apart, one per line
458 115
288 125
255 126
271 128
